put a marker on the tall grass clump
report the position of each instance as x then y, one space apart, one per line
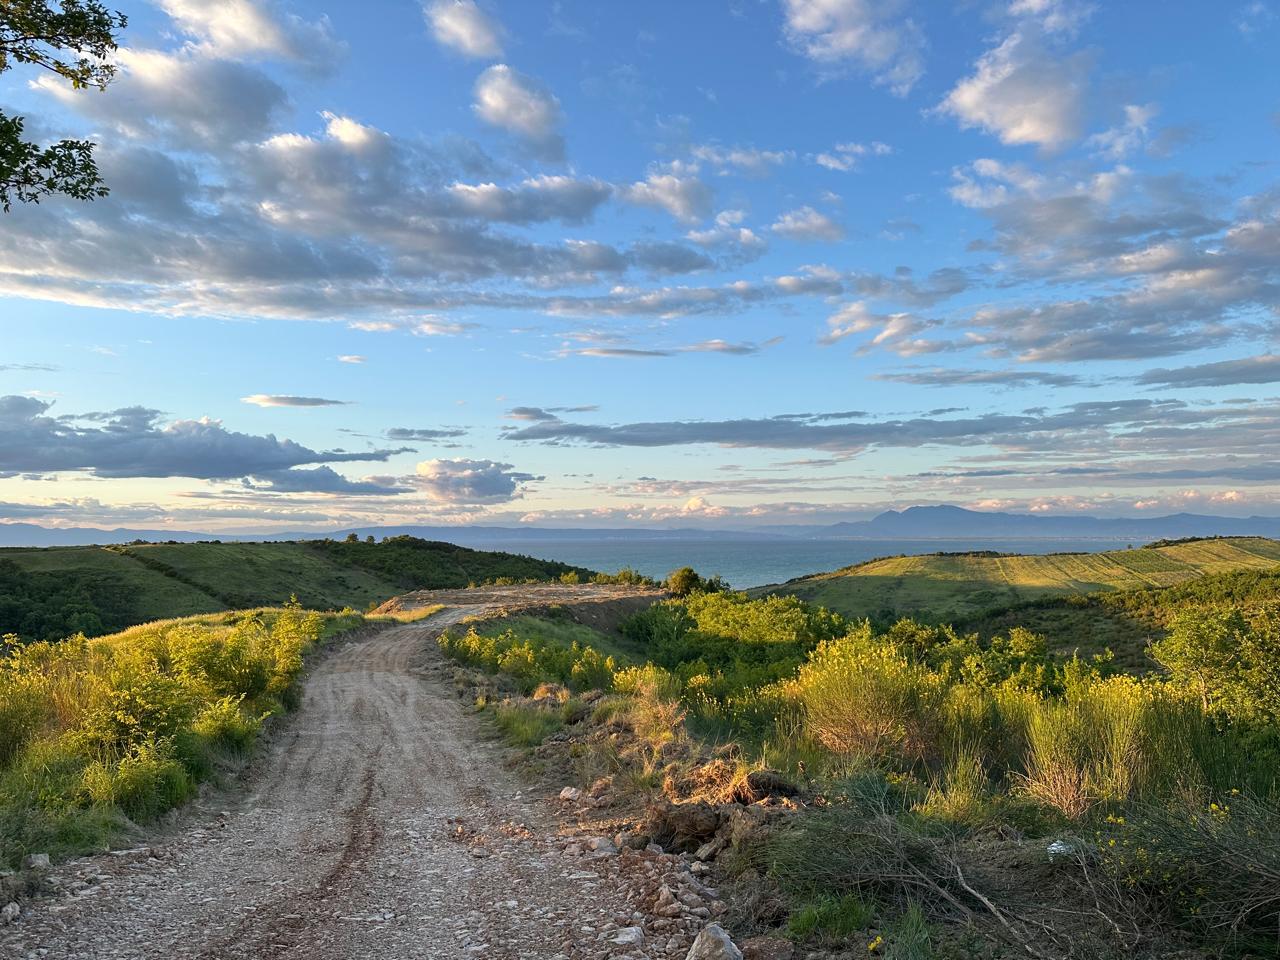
96 731
868 700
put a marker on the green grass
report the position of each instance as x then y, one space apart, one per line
135 591
944 588
525 726
95 734
52 593
252 574
563 634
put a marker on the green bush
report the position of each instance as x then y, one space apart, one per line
126 724
531 660
867 700
143 783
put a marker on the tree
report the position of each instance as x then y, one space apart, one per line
73 39
684 581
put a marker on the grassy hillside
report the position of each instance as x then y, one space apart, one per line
1125 622
958 587
51 593
253 574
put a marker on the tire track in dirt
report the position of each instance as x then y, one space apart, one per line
376 823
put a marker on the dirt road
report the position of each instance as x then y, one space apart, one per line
377 824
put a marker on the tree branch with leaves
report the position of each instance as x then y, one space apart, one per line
75 40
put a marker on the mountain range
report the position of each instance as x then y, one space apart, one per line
913 523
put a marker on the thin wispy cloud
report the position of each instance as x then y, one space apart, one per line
285 400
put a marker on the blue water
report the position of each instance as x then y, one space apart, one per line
753 563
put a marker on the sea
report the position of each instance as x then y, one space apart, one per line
755 563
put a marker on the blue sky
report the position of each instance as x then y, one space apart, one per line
578 263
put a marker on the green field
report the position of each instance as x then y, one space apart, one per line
957 587
50 593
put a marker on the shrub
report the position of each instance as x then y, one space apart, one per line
865 699
143 783
126 724
1089 747
1211 868
225 724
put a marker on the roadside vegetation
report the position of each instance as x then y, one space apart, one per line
97 734
961 794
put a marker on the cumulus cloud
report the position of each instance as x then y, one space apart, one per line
874 36
322 480
463 26
675 189
135 442
1263 368
534 200
806 223
182 98
352 358
471 482
281 400
1023 92
1173 274
898 332
522 106
255 28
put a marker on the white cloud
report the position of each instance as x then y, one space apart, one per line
675 189
536 199
873 35
728 231
184 98
520 105
352 358
1022 93
845 156
1254 17
471 481
747 160
806 223
896 331
255 28
462 25
1122 140
281 400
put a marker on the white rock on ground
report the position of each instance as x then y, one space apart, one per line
713 944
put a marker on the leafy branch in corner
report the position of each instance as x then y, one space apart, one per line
73 39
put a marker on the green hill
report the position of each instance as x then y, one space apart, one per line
53 592
959 587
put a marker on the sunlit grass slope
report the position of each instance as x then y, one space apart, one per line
950 587
52 593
